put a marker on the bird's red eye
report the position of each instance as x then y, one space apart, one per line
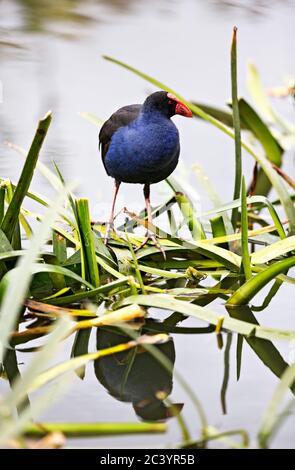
170 102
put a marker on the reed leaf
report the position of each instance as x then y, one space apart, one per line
248 290
166 302
92 429
275 250
11 217
252 200
237 126
219 231
86 235
102 290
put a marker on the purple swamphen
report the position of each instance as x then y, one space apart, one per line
140 144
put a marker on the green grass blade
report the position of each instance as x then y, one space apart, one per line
225 257
87 240
219 230
262 133
237 128
93 429
12 214
270 145
46 268
60 251
135 262
248 290
161 272
166 302
106 266
16 237
258 236
109 289
274 250
5 246
251 200
59 247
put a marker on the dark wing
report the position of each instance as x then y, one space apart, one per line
120 118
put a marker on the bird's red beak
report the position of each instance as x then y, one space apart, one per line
180 107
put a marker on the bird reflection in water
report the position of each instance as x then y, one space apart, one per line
136 376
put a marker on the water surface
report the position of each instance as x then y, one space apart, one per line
51 58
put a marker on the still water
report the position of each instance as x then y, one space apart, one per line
51 58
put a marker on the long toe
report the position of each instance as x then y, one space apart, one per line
152 237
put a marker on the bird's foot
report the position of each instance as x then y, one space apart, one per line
153 238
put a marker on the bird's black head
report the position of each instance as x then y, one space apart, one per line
167 104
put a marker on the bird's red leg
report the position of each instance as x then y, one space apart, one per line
111 220
146 192
150 235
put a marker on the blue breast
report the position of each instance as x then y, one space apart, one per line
145 151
